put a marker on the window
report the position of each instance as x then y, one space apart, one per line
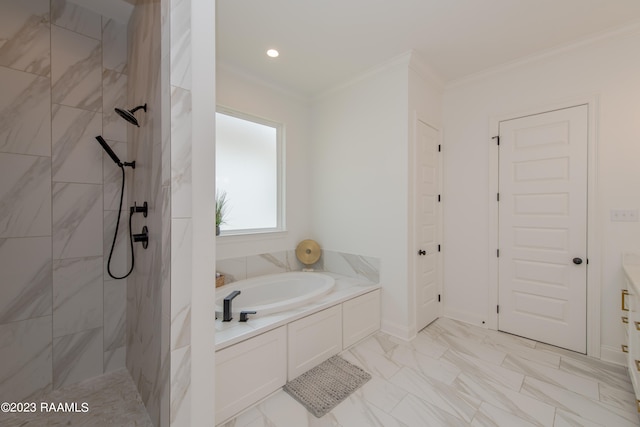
249 172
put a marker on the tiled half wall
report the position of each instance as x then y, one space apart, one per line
350 265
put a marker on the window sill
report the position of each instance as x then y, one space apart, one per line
250 235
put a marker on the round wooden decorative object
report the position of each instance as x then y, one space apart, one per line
308 252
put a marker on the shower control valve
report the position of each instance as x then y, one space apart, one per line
137 209
142 237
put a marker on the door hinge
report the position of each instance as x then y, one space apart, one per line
498 197
438 297
439 148
587 260
497 138
439 198
498 253
498 309
438 248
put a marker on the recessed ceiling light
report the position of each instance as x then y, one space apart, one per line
273 53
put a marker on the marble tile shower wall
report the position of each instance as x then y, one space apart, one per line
149 292
350 265
62 71
181 212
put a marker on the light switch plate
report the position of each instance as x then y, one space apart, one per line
624 215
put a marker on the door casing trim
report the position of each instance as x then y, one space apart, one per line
594 232
420 116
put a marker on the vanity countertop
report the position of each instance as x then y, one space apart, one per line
346 288
631 267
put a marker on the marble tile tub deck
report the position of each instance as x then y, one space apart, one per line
454 374
112 400
229 333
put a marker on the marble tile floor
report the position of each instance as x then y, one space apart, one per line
112 400
454 374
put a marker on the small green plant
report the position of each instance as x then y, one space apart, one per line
221 207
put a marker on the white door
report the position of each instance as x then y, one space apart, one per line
542 285
427 221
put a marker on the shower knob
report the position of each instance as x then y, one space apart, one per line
142 237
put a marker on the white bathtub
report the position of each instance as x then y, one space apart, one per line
274 292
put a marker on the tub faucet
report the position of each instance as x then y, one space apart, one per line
226 316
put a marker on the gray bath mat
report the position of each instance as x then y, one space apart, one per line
321 388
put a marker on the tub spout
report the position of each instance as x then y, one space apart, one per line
226 316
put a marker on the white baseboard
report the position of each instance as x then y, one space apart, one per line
613 355
463 317
399 331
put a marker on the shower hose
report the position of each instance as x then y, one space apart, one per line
115 234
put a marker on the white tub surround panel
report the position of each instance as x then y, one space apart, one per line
360 318
302 338
249 371
313 339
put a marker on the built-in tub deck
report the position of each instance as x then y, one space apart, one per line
346 288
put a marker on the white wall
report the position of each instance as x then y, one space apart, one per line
608 69
247 95
425 104
360 188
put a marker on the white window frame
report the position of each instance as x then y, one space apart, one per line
280 173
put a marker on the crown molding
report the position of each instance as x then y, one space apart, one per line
605 36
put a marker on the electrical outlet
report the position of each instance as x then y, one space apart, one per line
624 215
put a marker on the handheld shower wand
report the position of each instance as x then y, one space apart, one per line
113 155
143 237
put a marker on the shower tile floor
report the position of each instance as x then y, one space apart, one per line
454 374
112 400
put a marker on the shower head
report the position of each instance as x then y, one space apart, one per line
109 151
128 114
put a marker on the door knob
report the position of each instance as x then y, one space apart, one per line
422 252
577 261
